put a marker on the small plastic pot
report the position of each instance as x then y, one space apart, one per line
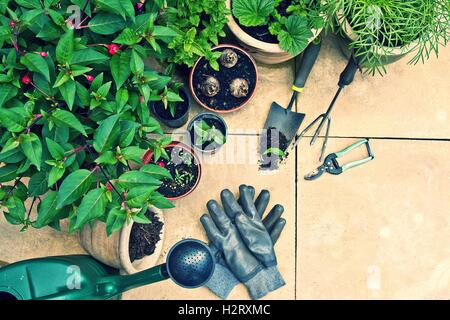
196 159
208 117
165 117
248 98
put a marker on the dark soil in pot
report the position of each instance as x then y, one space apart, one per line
144 237
181 111
262 33
211 122
272 138
224 100
184 169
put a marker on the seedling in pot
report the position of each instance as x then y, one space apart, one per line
184 169
206 134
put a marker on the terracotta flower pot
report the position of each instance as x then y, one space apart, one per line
264 52
248 98
348 36
114 250
196 159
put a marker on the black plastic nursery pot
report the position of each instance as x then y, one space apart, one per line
230 88
212 120
186 174
181 111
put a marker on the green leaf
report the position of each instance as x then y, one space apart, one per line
159 201
74 187
83 95
164 32
121 98
32 148
127 132
275 151
128 37
138 196
251 13
107 133
132 179
88 56
67 91
107 157
64 49
141 218
38 184
116 220
7 92
54 175
55 149
156 171
92 207
296 36
120 67
16 211
8 173
121 7
63 118
106 24
46 210
136 63
34 62
133 153
11 120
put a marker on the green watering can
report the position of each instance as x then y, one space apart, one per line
189 264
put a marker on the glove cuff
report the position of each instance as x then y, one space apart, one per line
222 281
266 281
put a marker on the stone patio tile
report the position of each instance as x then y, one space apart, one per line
378 231
183 221
409 101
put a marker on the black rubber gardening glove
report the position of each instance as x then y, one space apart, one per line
260 280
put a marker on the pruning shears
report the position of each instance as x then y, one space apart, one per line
332 166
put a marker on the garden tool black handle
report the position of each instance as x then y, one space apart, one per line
348 75
306 64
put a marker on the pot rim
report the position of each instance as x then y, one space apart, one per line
191 79
191 151
348 31
147 261
153 107
273 48
191 125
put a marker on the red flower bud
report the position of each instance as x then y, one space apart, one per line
109 187
43 54
26 79
139 6
161 164
113 48
12 24
89 77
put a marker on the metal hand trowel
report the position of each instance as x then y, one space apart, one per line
284 120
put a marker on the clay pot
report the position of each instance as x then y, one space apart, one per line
268 53
114 250
347 36
3 263
247 99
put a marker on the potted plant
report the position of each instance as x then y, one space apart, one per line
171 105
231 87
275 31
183 166
207 132
383 32
198 25
74 117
